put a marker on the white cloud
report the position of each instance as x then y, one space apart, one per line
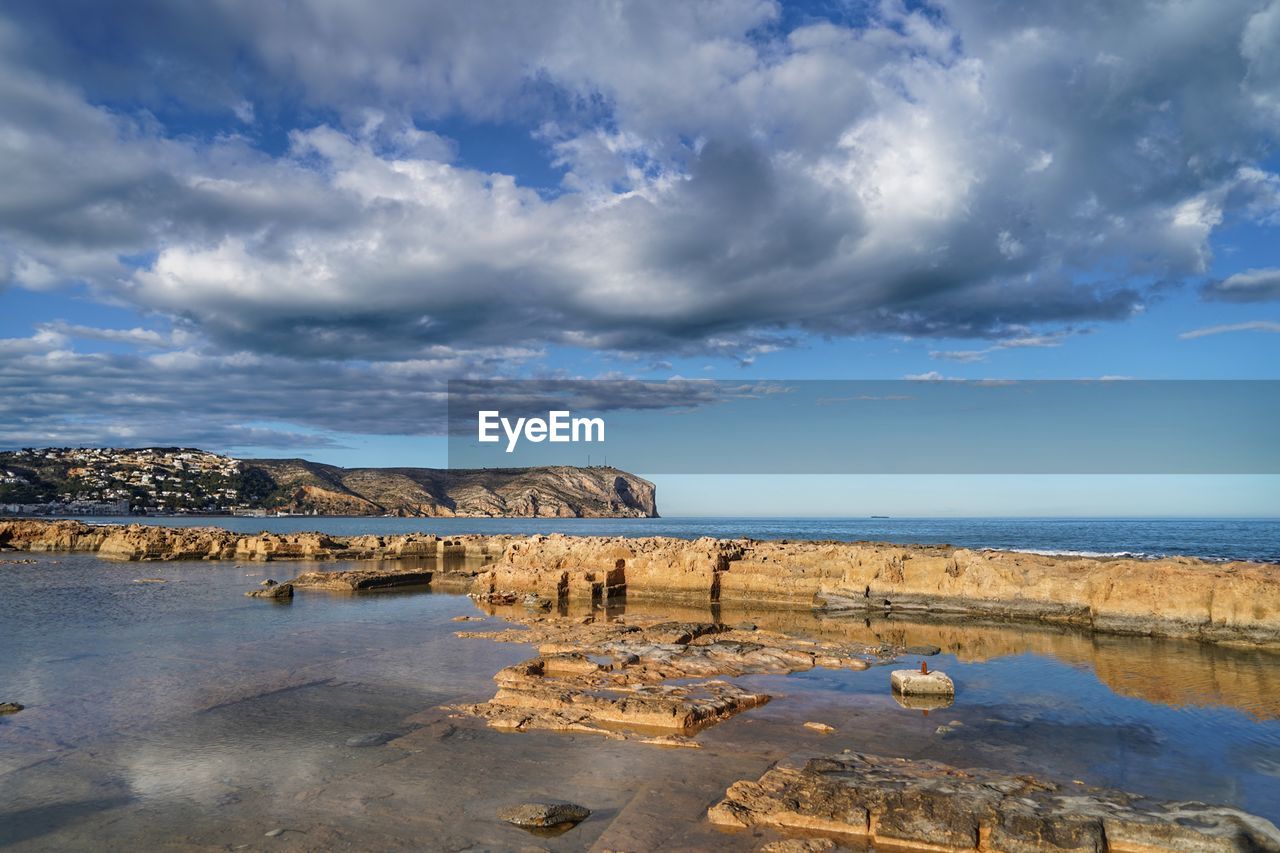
1005 175
1256 285
1250 326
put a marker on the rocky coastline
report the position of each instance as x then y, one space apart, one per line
1237 603
927 805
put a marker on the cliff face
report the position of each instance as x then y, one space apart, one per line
554 492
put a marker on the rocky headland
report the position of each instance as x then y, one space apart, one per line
1173 597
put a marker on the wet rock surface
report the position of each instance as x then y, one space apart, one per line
10 707
634 679
929 805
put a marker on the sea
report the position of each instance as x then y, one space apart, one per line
1210 538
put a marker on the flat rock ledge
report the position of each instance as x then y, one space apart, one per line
609 677
355 580
926 805
1236 602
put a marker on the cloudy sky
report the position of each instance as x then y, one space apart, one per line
277 229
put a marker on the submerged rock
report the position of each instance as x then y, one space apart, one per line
10 707
371 739
544 815
926 804
355 580
799 845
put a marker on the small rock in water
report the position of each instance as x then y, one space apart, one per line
10 707
279 592
268 582
468 619
537 602
371 739
913 682
820 727
926 651
544 815
149 580
943 731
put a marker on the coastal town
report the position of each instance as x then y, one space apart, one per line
108 481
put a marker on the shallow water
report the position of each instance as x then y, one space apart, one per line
1213 538
182 714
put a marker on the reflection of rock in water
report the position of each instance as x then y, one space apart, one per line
924 703
1169 672
1165 671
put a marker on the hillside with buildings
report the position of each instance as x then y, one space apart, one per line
181 480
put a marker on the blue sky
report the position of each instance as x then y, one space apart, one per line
274 232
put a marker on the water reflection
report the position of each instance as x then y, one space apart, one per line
1164 671
183 713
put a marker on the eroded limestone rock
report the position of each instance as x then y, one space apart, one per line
611 677
929 805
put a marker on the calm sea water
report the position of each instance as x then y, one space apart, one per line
165 709
1223 539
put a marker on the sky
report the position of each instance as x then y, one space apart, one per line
281 229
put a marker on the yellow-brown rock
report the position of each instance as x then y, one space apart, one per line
1178 597
1174 597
